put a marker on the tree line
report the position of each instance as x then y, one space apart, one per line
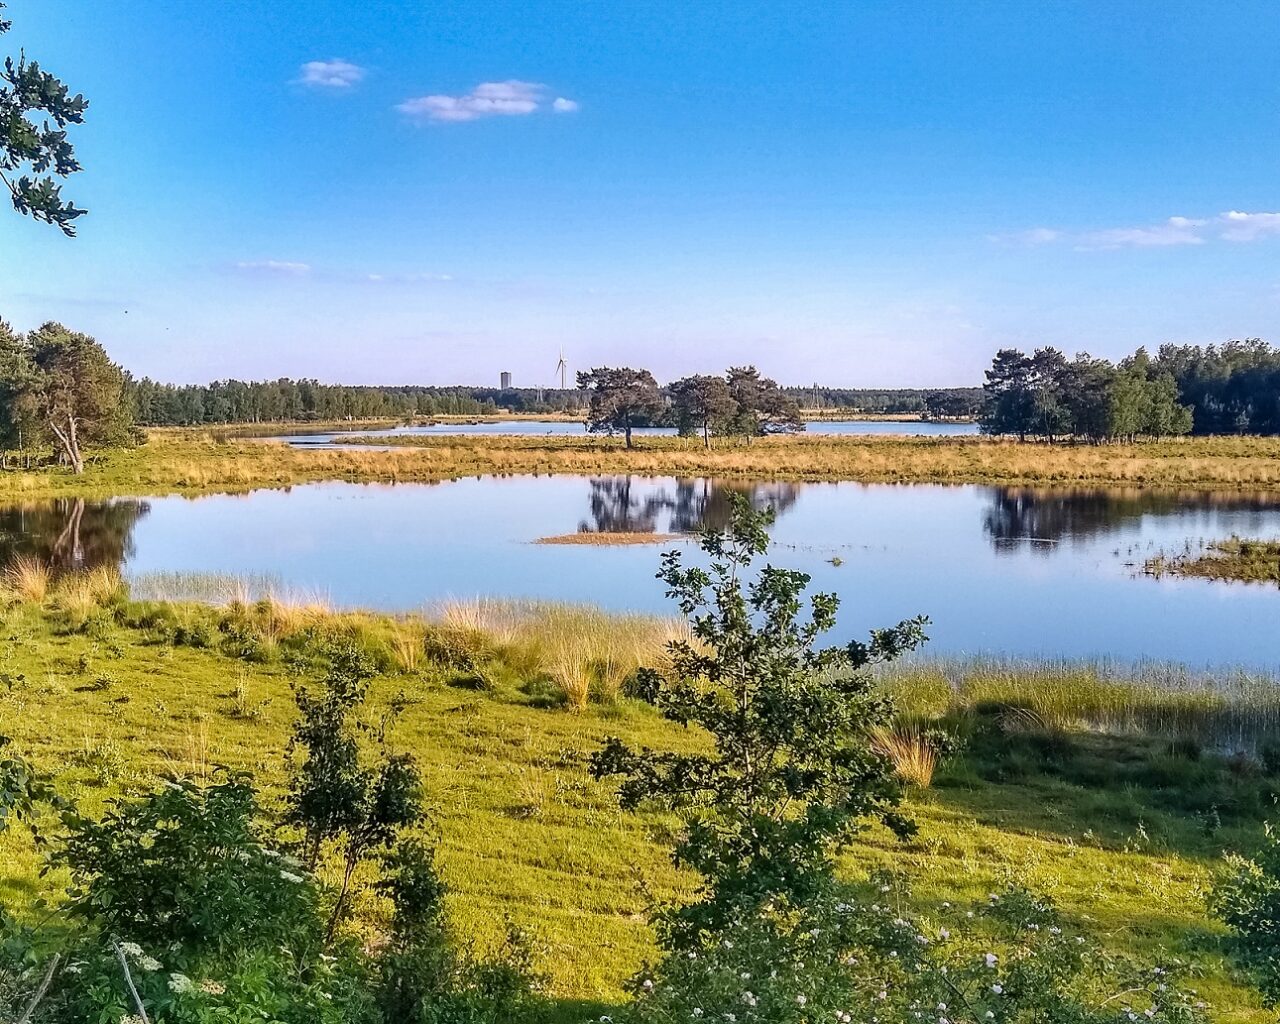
1232 388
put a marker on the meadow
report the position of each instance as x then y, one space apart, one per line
1115 793
180 460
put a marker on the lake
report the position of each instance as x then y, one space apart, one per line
562 428
1013 571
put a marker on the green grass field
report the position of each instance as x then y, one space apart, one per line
1123 830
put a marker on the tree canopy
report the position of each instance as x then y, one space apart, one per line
1045 395
621 399
35 110
60 387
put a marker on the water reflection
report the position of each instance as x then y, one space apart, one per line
1039 519
628 504
71 533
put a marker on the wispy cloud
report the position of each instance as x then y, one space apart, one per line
1232 226
330 74
511 98
274 267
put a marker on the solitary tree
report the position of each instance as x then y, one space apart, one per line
762 407
701 403
77 391
619 398
789 775
32 150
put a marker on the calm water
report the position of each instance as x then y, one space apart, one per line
1000 570
561 429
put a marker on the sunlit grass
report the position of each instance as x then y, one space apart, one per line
27 579
526 833
195 461
1232 710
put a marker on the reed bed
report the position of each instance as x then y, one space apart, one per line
586 651
1230 711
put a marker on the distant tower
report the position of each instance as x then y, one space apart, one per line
562 369
505 379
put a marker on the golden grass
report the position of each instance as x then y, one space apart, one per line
27 579
913 757
191 461
601 538
79 593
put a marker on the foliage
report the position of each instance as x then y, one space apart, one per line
187 866
791 775
58 386
22 790
34 152
702 404
621 398
761 407
844 957
1246 898
1044 395
337 798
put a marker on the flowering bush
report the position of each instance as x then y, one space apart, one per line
862 958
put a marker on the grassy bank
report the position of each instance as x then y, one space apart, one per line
1122 826
1245 561
191 462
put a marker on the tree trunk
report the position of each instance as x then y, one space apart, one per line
70 443
706 435
626 428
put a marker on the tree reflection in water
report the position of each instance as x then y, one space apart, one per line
1040 518
629 504
69 533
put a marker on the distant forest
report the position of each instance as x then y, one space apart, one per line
284 400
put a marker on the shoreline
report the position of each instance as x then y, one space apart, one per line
177 461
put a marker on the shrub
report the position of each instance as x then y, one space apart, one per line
845 958
1246 898
792 775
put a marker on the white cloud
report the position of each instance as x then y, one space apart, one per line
512 98
1233 226
330 74
1174 231
275 266
1246 227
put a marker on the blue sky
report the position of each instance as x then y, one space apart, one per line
856 193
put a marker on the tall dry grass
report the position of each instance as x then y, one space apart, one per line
27 579
79 593
908 749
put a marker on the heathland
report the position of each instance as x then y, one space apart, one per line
1114 795
187 460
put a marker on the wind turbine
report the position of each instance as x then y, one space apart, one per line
562 368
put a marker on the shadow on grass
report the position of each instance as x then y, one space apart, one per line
575 1011
1117 792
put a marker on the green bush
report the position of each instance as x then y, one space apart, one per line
844 957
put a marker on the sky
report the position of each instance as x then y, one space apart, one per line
859 194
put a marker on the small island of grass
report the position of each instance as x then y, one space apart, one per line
1237 559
